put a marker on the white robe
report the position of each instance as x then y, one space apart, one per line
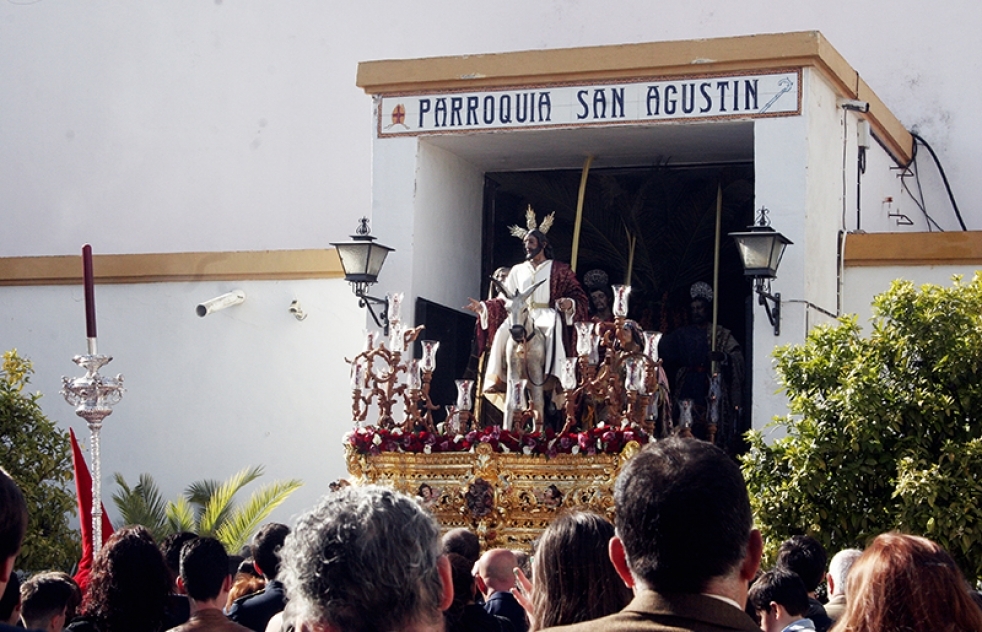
546 319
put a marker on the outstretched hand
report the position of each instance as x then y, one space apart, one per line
473 305
523 594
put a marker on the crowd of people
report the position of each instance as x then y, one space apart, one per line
682 555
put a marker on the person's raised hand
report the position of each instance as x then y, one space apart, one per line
523 594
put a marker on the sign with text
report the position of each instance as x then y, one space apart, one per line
717 97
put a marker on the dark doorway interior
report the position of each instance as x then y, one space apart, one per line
668 212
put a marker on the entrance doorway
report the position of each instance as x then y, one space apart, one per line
653 228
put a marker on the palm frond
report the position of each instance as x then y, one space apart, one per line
235 531
198 492
180 516
141 504
219 506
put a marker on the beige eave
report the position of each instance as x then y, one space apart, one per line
914 249
637 61
264 265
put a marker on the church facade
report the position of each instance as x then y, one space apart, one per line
254 142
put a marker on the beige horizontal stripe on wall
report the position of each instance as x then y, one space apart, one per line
920 249
264 265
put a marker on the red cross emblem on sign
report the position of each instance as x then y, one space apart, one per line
399 115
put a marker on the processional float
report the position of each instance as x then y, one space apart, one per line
506 483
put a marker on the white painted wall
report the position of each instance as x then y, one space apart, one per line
180 125
205 397
449 213
865 283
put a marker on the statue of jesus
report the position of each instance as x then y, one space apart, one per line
554 307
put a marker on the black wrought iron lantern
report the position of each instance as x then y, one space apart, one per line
362 259
761 249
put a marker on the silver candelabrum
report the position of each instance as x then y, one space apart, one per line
93 396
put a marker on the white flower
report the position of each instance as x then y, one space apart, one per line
426 449
576 449
377 440
527 449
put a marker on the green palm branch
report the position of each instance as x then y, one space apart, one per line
216 507
206 508
245 519
141 504
180 516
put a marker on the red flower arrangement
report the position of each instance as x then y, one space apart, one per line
599 440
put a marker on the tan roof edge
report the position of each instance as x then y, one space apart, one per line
634 61
913 249
166 267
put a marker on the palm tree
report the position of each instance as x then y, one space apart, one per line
206 508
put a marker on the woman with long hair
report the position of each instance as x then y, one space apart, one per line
905 583
128 588
573 579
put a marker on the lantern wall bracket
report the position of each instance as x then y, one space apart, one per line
382 317
771 303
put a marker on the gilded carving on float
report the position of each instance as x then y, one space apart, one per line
507 499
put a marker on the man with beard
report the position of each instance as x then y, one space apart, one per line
554 306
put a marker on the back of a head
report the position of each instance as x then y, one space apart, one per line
839 568
129 584
204 568
365 558
43 597
574 578
780 586
10 598
497 569
13 517
804 555
463 542
904 582
170 548
683 514
463 580
266 548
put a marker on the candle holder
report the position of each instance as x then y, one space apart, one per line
618 387
459 417
385 377
651 340
93 395
621 292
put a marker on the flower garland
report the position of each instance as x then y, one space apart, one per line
599 440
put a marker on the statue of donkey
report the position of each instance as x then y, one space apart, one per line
525 355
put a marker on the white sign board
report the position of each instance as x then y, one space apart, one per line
716 97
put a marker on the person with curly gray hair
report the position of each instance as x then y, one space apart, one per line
366 558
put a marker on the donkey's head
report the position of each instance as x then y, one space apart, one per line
519 323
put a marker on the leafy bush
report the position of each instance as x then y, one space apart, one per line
38 456
884 431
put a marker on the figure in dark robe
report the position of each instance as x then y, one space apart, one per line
688 356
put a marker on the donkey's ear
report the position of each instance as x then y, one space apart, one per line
501 288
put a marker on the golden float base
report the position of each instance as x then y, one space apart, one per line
507 499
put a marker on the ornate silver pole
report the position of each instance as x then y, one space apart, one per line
93 397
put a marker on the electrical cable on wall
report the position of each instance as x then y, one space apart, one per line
944 176
918 199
